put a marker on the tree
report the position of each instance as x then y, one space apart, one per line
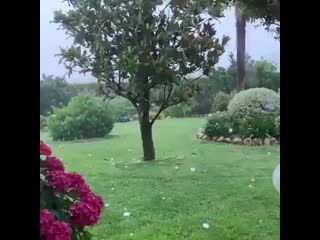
135 46
54 91
266 11
266 75
241 46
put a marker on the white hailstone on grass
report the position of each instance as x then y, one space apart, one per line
107 205
230 130
205 225
163 198
112 189
250 186
176 167
125 166
89 154
126 214
131 234
192 169
269 153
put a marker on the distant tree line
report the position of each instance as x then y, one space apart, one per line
57 92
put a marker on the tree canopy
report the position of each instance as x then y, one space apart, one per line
135 46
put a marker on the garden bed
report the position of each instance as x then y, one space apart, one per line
237 140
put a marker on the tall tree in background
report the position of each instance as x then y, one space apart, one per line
265 11
134 47
241 20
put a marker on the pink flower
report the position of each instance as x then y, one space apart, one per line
53 164
57 230
78 183
82 214
45 149
59 181
94 201
84 189
46 218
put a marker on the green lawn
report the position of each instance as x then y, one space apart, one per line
230 189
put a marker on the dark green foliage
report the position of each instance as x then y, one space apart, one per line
263 73
43 122
121 107
221 101
83 118
258 124
222 80
277 124
54 92
87 88
180 110
219 124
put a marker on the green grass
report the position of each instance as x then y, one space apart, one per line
170 204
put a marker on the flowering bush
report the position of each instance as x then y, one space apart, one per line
67 205
258 124
255 100
219 124
254 112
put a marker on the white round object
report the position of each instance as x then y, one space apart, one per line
205 225
276 178
126 214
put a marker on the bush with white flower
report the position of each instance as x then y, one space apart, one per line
253 113
254 100
67 204
219 124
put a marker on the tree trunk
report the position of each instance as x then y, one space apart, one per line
146 131
241 47
147 141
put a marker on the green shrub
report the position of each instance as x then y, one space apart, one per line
255 99
121 107
253 103
153 114
221 101
43 122
180 110
277 125
84 117
258 124
219 124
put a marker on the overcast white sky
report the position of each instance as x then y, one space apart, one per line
260 43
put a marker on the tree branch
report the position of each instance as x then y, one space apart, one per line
164 104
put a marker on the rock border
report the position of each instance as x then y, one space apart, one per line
238 141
